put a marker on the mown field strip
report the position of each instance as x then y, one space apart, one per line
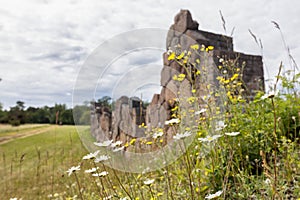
9 136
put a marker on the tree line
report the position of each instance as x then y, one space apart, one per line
57 114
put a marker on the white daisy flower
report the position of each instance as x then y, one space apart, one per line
232 133
220 125
179 136
215 195
203 110
169 51
267 181
101 174
73 169
103 144
157 135
118 149
108 197
146 170
172 121
209 138
101 158
149 181
91 170
90 155
117 143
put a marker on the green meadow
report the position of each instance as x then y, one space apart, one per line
33 166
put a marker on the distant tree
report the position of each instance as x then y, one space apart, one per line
3 115
20 105
66 117
85 119
105 101
81 114
60 113
37 115
16 115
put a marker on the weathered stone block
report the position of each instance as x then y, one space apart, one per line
183 21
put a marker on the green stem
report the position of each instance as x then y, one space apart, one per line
79 188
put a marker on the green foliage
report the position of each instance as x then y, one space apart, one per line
16 114
105 101
15 122
82 114
19 115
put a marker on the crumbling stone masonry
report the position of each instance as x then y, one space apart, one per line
123 122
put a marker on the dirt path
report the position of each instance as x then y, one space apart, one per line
6 139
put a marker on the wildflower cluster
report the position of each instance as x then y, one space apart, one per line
239 144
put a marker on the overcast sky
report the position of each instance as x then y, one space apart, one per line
43 43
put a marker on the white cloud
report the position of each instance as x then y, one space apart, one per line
44 43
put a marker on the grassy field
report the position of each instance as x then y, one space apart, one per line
8 130
33 166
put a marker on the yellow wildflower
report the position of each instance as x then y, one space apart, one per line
180 56
195 46
202 48
185 60
149 143
210 48
175 108
191 99
175 77
235 76
132 141
228 93
181 77
159 194
171 56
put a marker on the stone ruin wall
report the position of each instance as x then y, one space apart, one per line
123 123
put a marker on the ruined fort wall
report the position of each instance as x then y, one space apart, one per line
129 113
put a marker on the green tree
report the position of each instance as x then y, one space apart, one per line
105 101
37 115
16 115
81 114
